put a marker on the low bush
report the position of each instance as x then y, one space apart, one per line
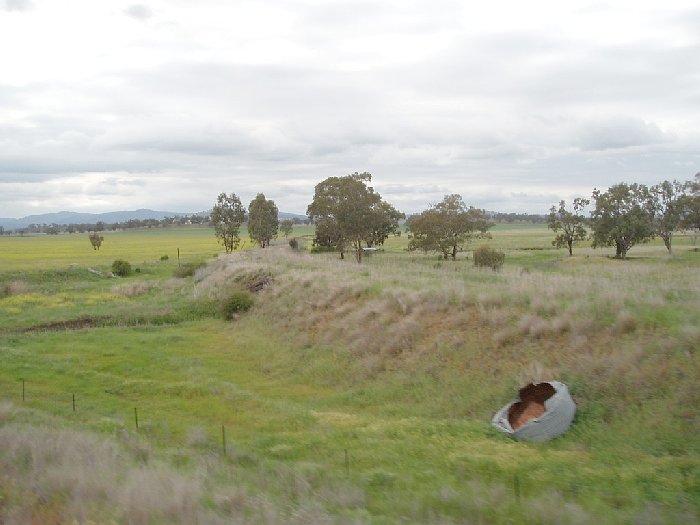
187 270
323 249
237 302
254 281
488 257
121 268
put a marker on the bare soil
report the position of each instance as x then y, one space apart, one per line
71 324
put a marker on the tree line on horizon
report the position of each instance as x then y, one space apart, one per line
131 224
348 214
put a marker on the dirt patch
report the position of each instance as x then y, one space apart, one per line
71 324
531 404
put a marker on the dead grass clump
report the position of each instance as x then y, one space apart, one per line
689 339
551 508
148 494
63 476
625 323
535 372
6 411
14 288
494 317
505 337
370 366
488 301
534 326
235 501
170 286
344 496
578 342
197 436
254 281
560 325
134 289
402 302
187 270
544 306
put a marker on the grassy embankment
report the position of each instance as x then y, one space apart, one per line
400 362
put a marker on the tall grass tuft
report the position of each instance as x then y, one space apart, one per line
12 288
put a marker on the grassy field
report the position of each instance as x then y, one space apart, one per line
348 393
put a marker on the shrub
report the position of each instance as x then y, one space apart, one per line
237 302
164 257
187 270
121 268
488 257
254 281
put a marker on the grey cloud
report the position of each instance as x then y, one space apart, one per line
16 5
35 164
371 18
626 76
138 11
121 181
621 132
688 20
185 146
543 72
529 111
260 91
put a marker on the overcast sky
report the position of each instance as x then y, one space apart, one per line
109 105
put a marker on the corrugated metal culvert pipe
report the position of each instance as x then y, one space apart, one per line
543 411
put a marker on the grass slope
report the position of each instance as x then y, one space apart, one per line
353 393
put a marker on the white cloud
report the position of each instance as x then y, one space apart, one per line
138 11
16 5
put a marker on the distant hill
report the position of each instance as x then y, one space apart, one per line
71 217
284 215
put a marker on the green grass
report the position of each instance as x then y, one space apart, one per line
138 247
396 363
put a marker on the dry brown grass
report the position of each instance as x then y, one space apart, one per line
11 288
134 289
583 321
69 475
54 475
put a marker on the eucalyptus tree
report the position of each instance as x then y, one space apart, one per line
348 213
447 226
667 204
571 224
623 216
385 222
227 215
263 221
690 207
286 227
